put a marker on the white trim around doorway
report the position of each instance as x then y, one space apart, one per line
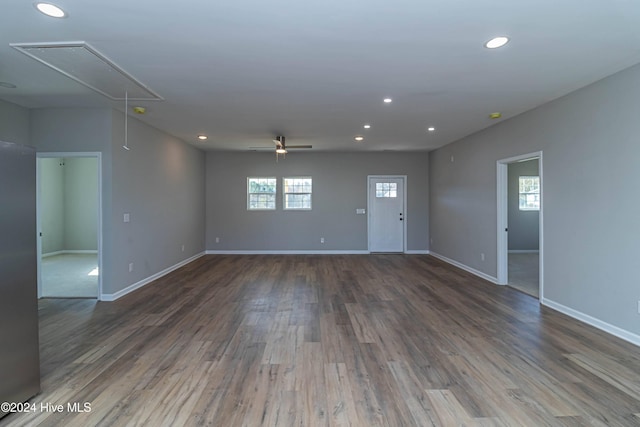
502 218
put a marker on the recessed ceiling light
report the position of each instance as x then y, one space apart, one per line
50 10
7 85
202 137
431 129
496 42
388 100
359 138
367 126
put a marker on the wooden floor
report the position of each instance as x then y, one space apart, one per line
362 340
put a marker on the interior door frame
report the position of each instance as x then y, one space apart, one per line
47 155
404 208
503 222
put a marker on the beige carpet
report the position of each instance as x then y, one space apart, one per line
524 273
70 276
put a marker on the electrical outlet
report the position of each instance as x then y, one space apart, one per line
126 217
217 240
130 267
322 240
482 256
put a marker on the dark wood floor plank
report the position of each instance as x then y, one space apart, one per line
328 340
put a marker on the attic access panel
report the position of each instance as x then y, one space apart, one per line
84 64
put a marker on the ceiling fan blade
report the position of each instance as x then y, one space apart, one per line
279 141
260 148
299 146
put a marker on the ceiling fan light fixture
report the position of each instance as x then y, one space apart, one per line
496 42
50 10
281 150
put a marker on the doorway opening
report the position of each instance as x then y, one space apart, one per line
387 205
520 231
69 225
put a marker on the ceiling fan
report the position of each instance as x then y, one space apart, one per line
281 148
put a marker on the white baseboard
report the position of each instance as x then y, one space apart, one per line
48 254
69 252
209 252
465 267
596 323
310 252
143 282
523 251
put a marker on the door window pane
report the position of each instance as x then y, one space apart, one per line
386 189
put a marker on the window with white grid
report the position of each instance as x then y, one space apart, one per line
297 193
261 193
386 189
529 192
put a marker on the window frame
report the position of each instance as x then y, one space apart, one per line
285 193
525 193
249 193
391 192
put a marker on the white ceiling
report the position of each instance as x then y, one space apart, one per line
244 71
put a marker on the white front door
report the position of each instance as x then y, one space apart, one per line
386 214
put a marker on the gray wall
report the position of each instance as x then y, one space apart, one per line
14 123
589 140
160 182
69 204
81 203
524 226
339 188
52 204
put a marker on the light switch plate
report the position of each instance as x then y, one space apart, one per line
360 211
126 217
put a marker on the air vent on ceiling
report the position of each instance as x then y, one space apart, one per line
87 66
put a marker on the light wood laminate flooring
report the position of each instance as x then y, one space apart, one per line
328 340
